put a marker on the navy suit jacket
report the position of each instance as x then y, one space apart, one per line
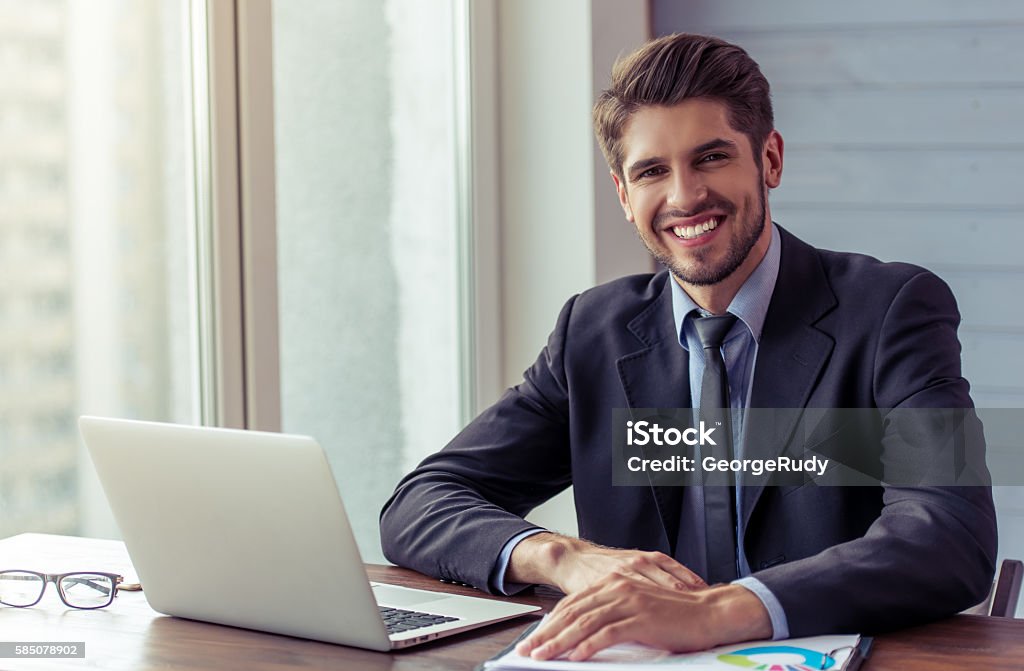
842 331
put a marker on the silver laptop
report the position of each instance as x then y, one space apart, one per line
247 529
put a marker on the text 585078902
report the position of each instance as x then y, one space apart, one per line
42 649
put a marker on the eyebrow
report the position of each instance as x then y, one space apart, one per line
643 164
717 143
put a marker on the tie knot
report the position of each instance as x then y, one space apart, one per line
712 330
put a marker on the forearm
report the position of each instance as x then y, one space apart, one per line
444 529
543 559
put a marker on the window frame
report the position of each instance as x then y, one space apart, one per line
236 241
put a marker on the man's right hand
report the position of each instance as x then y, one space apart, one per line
572 565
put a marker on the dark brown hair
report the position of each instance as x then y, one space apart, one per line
674 68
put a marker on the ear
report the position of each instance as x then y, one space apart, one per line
620 189
771 158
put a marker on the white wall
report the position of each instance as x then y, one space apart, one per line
547 197
561 228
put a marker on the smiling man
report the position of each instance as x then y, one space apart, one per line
688 133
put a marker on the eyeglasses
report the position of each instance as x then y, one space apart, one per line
86 590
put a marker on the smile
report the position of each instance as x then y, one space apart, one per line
691 232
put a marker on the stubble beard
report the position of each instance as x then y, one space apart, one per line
698 271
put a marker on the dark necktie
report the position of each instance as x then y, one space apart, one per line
719 499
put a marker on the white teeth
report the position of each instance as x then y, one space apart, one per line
690 232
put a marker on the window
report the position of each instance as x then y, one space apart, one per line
93 156
368 244
116 300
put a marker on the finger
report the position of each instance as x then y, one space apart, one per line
689 579
544 631
605 637
660 577
664 571
565 612
579 615
535 639
579 629
553 623
678 571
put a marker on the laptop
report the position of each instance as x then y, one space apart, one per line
247 529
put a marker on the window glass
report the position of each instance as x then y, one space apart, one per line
367 238
95 306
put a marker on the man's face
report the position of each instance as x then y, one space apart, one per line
694 191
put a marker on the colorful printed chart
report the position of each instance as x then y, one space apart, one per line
812 653
778 658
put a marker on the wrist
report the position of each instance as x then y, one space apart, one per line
737 614
541 559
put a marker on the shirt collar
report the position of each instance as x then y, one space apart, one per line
750 304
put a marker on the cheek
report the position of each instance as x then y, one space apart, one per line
741 190
644 207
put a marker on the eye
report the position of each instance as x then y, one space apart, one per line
711 158
650 172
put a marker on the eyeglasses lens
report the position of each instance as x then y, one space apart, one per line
87 590
20 589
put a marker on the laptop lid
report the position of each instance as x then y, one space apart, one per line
238 527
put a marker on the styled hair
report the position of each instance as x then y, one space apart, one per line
675 68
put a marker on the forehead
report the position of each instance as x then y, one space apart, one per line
659 131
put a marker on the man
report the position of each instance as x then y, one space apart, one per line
688 133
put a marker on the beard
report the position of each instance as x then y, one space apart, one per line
699 271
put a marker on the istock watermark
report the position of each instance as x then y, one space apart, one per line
906 447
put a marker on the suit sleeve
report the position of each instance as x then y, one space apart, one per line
452 515
931 552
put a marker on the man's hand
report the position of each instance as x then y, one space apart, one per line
618 609
573 565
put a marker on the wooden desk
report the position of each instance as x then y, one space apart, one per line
131 635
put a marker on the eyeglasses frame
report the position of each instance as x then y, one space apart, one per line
56 579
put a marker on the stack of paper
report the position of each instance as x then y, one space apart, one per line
798 654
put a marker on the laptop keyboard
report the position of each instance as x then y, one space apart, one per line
398 620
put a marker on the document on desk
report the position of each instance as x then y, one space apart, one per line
834 653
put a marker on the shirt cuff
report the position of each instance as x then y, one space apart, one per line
780 625
497 578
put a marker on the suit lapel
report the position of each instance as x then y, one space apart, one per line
791 355
657 376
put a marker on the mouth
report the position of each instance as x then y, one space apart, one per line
698 230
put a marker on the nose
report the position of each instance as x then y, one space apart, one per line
687 192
